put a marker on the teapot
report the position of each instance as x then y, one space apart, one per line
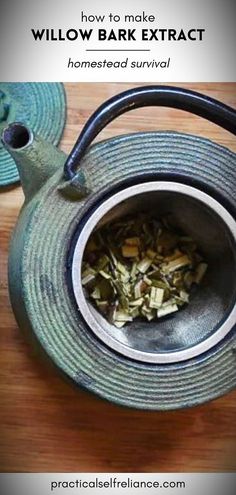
182 361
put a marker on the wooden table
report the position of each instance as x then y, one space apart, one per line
46 425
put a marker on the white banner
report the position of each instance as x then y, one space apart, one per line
126 484
151 41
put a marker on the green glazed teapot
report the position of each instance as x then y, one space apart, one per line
182 361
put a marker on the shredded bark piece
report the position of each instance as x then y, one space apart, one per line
140 267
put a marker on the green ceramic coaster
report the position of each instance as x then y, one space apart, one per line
41 106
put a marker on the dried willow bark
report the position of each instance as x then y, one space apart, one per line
140 267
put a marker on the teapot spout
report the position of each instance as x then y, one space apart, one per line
36 159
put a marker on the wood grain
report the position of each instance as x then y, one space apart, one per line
46 424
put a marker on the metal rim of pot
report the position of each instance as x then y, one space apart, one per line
98 324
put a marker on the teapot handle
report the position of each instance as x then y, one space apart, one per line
165 96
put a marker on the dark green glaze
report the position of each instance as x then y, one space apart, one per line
36 162
39 268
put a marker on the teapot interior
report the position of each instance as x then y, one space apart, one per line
210 303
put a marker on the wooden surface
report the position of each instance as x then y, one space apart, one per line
46 425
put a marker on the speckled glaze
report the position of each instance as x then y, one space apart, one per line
39 271
41 106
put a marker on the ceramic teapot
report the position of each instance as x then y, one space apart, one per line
181 361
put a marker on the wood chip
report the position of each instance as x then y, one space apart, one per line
140 267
